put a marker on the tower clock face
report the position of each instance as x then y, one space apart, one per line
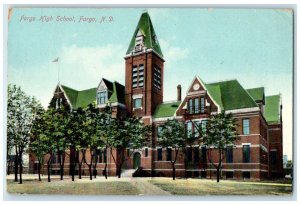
196 86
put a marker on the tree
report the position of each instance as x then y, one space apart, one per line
220 133
172 136
38 138
127 133
60 133
21 113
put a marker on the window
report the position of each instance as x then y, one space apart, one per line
197 128
196 155
169 154
146 152
99 152
137 103
190 106
141 75
159 154
189 130
202 105
203 125
134 76
229 154
246 127
159 130
196 105
246 153
229 175
101 97
273 157
189 154
246 175
203 154
157 77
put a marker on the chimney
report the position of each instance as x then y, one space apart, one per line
179 92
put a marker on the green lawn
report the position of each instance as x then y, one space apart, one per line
147 186
225 187
85 187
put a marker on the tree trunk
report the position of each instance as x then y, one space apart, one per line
16 165
20 166
95 170
73 171
173 166
79 170
48 169
218 174
105 170
90 170
39 171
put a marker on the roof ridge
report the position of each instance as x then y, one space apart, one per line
221 81
68 87
255 88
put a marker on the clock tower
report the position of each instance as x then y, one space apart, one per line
144 70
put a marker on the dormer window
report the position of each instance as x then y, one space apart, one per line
101 97
139 41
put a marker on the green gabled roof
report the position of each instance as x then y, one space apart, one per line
80 98
118 93
272 109
166 109
150 39
71 94
257 93
230 95
86 97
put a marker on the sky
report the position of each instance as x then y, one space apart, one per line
254 46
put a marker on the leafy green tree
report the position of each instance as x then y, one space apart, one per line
21 113
219 134
127 133
172 136
60 133
38 138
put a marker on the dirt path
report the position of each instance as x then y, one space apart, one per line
146 188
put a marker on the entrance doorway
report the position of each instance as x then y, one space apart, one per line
136 160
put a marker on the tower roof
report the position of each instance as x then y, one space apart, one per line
146 28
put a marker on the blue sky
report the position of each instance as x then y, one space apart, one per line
253 46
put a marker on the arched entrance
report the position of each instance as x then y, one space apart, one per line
136 160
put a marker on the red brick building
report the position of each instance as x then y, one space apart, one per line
256 155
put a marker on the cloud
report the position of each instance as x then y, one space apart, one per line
173 53
83 67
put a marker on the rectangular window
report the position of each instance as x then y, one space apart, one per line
196 105
202 105
203 154
246 153
189 154
191 109
99 156
169 154
273 157
189 130
134 76
159 129
141 75
196 155
157 77
197 128
246 175
203 125
159 154
137 103
246 127
229 175
101 97
229 154
146 152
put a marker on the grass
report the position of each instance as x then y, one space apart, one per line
211 187
85 187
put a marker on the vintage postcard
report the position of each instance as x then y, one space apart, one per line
149 101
